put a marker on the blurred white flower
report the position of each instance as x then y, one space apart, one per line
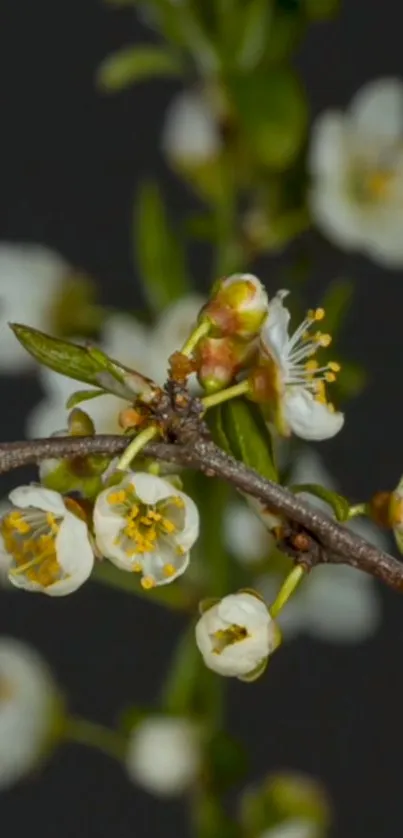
293 828
145 525
27 708
30 280
245 535
336 603
190 134
236 635
356 161
48 545
295 381
164 755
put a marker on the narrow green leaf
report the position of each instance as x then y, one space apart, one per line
158 251
255 25
338 503
81 363
82 396
248 436
134 64
336 302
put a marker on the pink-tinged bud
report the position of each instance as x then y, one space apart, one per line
238 308
395 514
220 359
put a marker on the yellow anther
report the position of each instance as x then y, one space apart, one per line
177 501
330 377
118 497
147 583
323 339
146 521
15 521
134 511
180 550
153 515
52 523
137 567
168 570
319 313
334 366
311 365
168 526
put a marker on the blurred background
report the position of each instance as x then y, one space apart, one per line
72 160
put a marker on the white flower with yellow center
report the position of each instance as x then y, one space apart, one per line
356 162
47 544
147 526
295 382
164 755
236 635
28 703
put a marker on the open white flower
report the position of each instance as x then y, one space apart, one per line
236 635
190 134
294 380
164 755
336 603
27 708
356 161
147 526
46 541
30 279
293 828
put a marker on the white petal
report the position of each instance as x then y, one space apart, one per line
377 109
75 555
292 828
308 418
274 332
339 217
39 498
164 755
153 565
149 488
190 132
342 605
26 714
328 154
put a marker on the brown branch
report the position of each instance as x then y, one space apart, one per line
341 546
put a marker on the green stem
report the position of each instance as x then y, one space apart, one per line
225 395
286 590
136 445
97 736
200 332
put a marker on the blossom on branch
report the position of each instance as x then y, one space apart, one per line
238 307
236 635
46 541
146 526
28 705
164 754
289 382
356 161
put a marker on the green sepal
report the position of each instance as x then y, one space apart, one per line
158 251
256 673
338 503
207 603
82 396
282 797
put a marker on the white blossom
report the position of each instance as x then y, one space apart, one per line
190 133
146 526
47 544
31 277
336 603
236 635
356 161
164 755
297 381
27 709
293 828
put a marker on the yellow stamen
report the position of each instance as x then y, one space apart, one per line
323 340
334 366
168 525
227 637
330 377
137 567
168 570
118 497
147 583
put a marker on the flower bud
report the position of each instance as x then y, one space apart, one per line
164 755
236 636
238 307
395 512
218 360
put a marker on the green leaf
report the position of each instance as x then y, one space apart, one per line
351 381
159 252
82 396
336 302
338 503
248 437
255 27
272 109
81 363
134 64
226 761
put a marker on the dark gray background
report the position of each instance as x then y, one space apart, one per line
70 161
